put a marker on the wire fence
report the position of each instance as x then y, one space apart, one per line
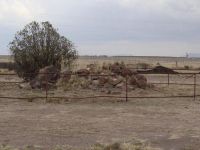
156 79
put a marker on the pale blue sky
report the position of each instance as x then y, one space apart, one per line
111 27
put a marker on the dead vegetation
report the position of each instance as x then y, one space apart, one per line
124 146
116 146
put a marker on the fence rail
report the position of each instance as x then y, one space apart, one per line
126 97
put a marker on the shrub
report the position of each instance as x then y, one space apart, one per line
187 67
39 45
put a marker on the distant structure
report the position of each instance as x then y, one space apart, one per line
193 55
187 55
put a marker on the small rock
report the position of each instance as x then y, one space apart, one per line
24 86
121 85
115 81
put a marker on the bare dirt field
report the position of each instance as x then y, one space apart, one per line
168 124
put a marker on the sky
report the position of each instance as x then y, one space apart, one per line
111 27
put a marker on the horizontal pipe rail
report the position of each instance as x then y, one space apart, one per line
155 83
104 96
145 73
90 97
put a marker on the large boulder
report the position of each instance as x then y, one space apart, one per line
83 73
49 73
117 68
139 81
121 69
47 76
133 80
35 84
125 72
103 80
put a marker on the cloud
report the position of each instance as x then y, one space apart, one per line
18 10
161 9
143 24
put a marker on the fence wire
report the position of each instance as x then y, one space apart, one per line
169 80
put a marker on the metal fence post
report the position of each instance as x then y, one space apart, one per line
195 87
46 87
126 89
168 79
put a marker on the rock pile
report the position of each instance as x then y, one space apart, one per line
113 76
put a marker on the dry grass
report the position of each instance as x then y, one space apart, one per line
74 83
115 146
124 146
170 62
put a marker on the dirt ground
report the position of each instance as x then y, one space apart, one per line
164 123
168 124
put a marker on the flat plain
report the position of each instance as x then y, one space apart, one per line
164 123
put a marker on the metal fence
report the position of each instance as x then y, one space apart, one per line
168 80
